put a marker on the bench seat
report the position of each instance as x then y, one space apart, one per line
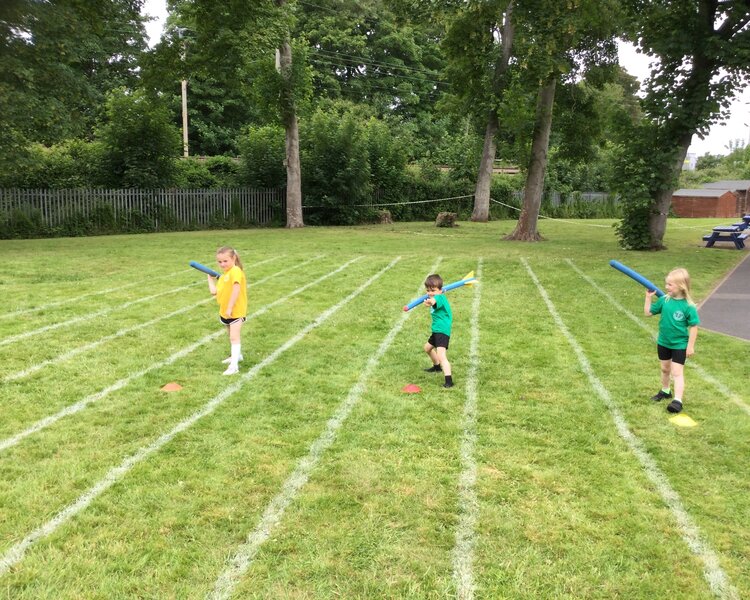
737 239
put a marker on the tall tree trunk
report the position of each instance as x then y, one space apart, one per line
484 177
481 211
657 222
289 117
294 217
532 196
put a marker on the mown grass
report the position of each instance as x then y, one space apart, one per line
564 508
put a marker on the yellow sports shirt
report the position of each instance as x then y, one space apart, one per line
224 287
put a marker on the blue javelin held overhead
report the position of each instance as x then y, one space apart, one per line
469 279
637 276
204 268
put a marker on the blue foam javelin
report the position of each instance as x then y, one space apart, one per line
204 268
468 280
637 276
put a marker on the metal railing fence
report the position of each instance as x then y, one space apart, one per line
182 207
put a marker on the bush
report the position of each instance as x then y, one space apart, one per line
103 218
224 170
19 224
262 157
75 225
206 172
425 182
335 161
139 142
505 189
192 173
71 164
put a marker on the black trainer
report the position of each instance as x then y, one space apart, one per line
662 395
448 384
434 369
675 406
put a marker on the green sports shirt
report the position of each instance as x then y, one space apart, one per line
677 316
442 317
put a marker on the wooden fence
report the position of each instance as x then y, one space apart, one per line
184 207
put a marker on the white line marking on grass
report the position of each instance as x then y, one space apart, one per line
23 311
81 404
715 576
245 554
16 313
16 553
463 551
94 315
718 385
75 351
691 363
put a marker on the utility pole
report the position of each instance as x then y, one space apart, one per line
185 151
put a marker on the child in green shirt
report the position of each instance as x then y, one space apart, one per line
442 320
678 329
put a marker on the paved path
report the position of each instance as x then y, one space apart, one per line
727 309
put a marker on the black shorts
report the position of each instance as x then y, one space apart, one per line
230 321
675 355
439 340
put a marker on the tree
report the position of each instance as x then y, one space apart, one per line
219 103
288 107
557 44
247 35
59 59
499 51
381 53
701 52
532 195
479 45
139 142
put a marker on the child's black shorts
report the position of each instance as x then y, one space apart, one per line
230 321
439 340
675 355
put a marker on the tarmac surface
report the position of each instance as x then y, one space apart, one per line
727 308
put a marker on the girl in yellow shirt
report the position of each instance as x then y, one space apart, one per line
230 290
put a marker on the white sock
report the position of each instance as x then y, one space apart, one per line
235 356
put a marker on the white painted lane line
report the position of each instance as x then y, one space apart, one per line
81 404
16 553
16 313
80 349
23 311
729 394
245 554
75 351
95 315
463 551
91 316
717 579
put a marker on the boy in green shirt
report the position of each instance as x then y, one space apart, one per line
442 320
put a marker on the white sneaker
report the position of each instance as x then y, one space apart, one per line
232 370
228 361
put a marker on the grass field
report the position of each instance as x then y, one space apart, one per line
545 473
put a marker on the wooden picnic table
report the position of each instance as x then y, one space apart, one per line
727 233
